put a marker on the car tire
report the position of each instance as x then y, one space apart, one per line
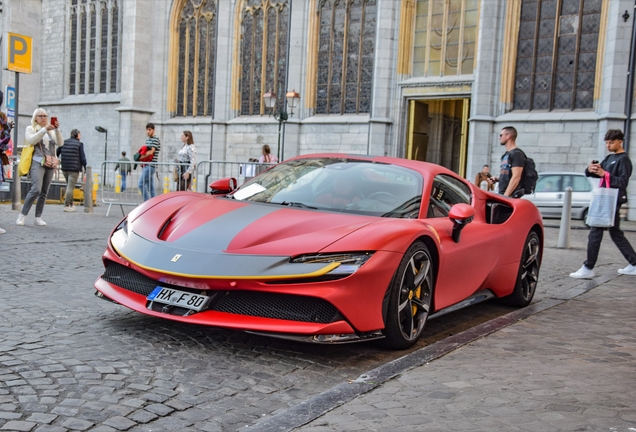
410 297
528 274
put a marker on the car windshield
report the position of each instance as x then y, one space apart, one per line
338 184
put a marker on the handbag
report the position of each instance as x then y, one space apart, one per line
602 210
25 160
50 162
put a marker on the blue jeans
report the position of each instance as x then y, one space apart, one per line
123 181
147 182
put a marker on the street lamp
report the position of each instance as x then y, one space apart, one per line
104 131
281 116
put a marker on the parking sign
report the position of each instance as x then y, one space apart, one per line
10 101
19 53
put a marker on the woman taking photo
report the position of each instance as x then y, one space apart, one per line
43 136
187 158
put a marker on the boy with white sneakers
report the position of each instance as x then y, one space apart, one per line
619 167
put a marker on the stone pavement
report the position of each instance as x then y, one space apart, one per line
570 367
71 362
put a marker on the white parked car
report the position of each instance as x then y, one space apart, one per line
550 190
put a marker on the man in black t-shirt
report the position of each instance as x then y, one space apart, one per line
511 167
619 167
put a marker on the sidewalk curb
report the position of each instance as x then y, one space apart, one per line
340 394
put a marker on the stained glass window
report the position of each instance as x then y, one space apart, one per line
264 43
94 52
82 53
346 49
445 34
556 54
196 34
103 62
114 46
91 50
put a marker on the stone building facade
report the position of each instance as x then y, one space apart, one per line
434 80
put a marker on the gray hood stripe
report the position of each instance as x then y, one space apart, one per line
224 228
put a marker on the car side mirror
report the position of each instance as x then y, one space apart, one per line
223 186
461 215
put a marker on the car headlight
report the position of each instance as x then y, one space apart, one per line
349 262
120 235
123 226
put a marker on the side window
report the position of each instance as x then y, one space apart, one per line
580 184
446 192
550 183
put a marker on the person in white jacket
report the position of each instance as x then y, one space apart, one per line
43 136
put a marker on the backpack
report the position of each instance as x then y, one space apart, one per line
529 175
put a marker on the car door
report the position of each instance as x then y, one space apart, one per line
548 195
464 265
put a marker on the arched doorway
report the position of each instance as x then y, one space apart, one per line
437 132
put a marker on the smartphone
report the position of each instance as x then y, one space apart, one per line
53 120
594 161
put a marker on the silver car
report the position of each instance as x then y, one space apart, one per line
550 190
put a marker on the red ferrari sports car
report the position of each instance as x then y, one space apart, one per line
325 248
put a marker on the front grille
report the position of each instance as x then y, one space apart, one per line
280 306
250 303
129 279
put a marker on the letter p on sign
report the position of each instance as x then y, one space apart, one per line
19 53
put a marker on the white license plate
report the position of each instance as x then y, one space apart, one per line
178 298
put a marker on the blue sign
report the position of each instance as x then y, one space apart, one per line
10 113
10 94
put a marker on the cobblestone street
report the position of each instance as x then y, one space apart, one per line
69 361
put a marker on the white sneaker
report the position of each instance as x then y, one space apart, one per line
629 270
583 273
69 209
2 231
20 220
39 222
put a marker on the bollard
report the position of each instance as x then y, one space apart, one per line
95 186
166 184
88 187
566 219
16 203
118 183
194 184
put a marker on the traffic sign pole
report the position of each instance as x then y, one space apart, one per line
17 189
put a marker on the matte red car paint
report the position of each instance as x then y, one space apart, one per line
487 256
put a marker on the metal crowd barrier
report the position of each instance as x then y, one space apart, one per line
112 186
113 192
210 170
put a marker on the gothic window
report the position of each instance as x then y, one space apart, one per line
346 45
556 54
264 43
445 34
196 33
94 51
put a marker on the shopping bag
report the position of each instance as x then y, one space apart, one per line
602 207
25 160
